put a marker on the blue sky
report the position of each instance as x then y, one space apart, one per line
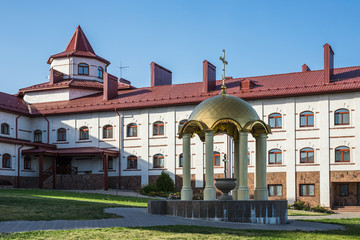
260 37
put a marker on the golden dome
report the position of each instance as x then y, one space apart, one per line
224 106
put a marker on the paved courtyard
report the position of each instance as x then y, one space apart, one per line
137 217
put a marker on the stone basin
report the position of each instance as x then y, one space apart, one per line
225 185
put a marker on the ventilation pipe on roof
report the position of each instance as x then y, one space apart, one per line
160 75
305 68
209 76
110 86
328 63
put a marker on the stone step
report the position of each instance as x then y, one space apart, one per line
346 208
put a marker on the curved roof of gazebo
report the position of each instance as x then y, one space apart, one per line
224 114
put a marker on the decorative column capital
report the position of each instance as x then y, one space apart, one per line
186 135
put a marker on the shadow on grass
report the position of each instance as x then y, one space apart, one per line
34 205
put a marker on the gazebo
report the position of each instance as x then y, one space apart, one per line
235 117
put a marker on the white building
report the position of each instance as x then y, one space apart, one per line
87 129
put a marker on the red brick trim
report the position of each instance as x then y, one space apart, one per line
130 139
309 138
342 136
310 129
341 128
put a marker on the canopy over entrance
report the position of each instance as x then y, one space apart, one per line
62 152
70 151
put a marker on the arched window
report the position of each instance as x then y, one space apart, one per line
158 128
216 159
342 117
132 162
158 161
181 160
61 134
307 119
27 162
5 128
307 155
275 156
342 154
275 120
83 69
131 130
37 136
6 160
108 131
100 72
84 133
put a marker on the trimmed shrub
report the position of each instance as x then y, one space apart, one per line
164 183
149 188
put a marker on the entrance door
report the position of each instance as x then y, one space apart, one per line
63 165
358 191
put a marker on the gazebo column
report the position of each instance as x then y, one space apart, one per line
236 168
243 190
261 192
209 192
186 191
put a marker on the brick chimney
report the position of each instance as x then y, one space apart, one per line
209 76
110 87
160 75
328 63
305 68
55 76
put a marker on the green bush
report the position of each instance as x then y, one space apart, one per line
321 209
149 188
164 183
301 205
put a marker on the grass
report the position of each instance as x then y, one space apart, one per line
193 232
292 212
30 204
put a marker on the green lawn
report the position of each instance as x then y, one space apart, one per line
30 204
292 212
192 232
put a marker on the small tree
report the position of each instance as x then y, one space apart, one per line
164 183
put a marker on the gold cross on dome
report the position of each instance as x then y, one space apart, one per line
223 87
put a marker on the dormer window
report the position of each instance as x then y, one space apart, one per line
83 69
100 72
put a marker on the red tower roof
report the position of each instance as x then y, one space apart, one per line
78 46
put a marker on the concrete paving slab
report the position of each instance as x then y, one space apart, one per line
137 217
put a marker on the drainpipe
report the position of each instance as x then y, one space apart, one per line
120 126
16 126
48 129
19 157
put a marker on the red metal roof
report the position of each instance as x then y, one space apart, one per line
73 83
78 46
13 104
70 151
270 86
